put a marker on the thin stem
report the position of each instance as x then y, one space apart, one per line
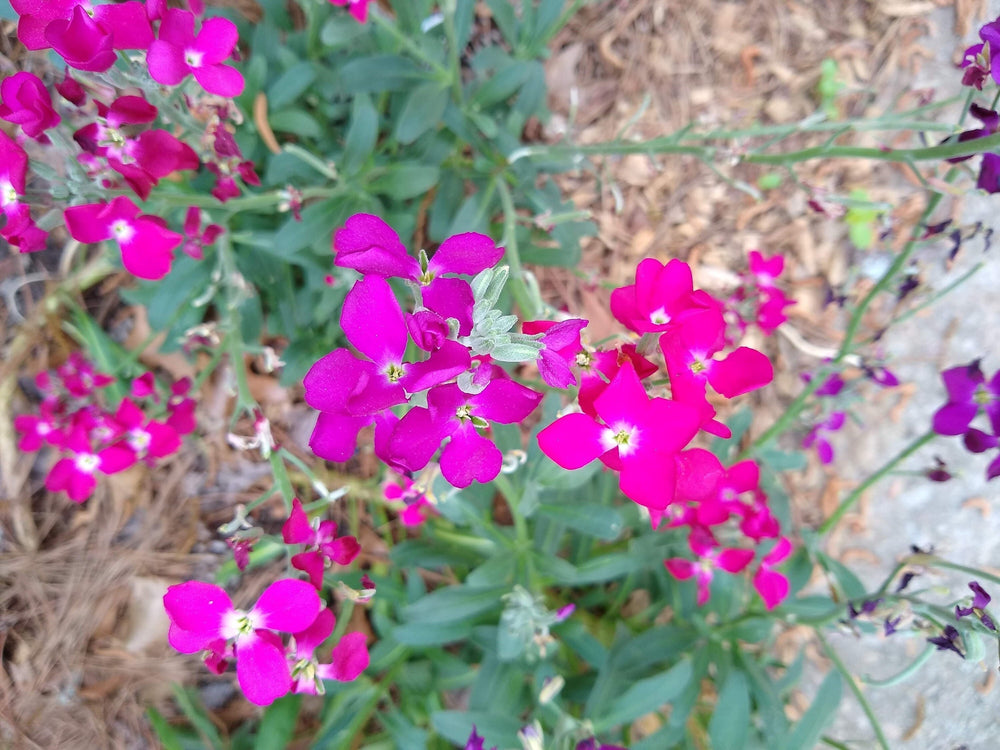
848 502
849 678
531 305
389 25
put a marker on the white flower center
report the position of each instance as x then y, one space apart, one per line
193 58
622 436
122 231
138 440
86 463
8 195
659 317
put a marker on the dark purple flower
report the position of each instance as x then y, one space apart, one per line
947 641
816 436
940 471
968 392
889 626
475 742
904 581
980 600
866 608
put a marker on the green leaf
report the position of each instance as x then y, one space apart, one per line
454 603
423 111
295 121
361 134
851 585
587 518
317 224
379 73
340 29
730 722
169 737
290 85
645 696
278 723
607 568
190 704
503 84
420 634
404 181
820 713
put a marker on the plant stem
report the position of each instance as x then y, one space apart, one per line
530 304
852 498
849 678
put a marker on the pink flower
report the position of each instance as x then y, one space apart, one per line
348 659
661 296
323 537
19 229
357 8
74 474
770 584
147 438
147 246
561 351
26 102
85 35
369 245
195 240
415 505
178 52
637 436
202 617
710 557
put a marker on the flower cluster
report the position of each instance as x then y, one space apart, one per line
969 394
977 59
645 437
408 500
93 439
203 619
453 390
758 299
106 112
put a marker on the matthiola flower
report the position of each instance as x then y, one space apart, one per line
147 246
817 435
322 539
357 8
475 742
348 659
709 558
75 474
770 584
451 413
179 52
18 229
977 60
202 618
661 297
980 601
148 438
84 34
369 245
26 102
968 393
562 349
195 239
415 506
636 435
948 641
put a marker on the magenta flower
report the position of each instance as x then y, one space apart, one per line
637 435
348 659
475 742
323 537
661 296
710 557
416 508
196 240
19 229
562 349
357 8
468 456
178 52
770 584
71 90
74 474
26 102
147 438
369 245
147 246
202 617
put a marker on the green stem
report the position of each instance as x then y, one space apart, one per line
905 673
530 304
308 157
849 679
849 501
246 203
